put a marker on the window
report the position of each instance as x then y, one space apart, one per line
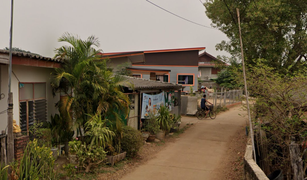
185 79
163 78
137 75
215 71
33 104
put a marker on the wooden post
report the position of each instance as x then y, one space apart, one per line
179 102
3 149
222 97
234 96
215 98
245 88
225 97
10 134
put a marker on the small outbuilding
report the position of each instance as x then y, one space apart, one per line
30 85
148 95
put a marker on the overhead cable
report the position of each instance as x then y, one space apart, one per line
179 16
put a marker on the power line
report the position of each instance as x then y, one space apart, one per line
179 16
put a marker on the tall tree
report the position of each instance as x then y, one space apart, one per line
230 77
274 30
90 87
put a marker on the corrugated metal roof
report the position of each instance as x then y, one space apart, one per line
152 51
148 69
145 84
30 55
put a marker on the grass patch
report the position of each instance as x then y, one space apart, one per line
161 143
219 109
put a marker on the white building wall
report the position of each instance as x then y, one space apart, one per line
205 73
25 74
4 92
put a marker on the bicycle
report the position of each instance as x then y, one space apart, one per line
200 114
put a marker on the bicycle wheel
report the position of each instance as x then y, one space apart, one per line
212 114
200 115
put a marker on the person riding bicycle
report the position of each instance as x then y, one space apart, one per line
203 104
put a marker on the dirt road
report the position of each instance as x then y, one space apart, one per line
198 153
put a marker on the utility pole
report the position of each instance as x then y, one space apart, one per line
245 88
10 135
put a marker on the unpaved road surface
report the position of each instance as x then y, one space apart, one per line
200 153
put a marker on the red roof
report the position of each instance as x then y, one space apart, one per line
131 53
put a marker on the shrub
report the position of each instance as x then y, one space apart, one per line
99 133
132 141
88 156
151 125
42 135
164 119
219 109
71 169
37 162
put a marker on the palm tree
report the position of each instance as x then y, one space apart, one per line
90 87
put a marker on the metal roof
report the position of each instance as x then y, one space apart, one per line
148 69
129 53
30 55
145 84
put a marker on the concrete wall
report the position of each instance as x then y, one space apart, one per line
175 70
188 105
4 91
251 169
24 74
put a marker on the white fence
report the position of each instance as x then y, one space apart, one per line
223 97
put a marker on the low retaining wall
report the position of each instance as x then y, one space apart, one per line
251 169
20 143
234 104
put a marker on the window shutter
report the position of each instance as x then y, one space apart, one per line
40 110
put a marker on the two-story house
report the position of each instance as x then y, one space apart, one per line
207 69
179 66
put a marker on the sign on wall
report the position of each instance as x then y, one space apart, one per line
169 100
151 104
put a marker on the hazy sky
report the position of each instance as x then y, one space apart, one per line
120 25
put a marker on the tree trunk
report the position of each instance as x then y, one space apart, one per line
296 161
66 147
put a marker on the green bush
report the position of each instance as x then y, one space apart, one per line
37 162
219 109
88 156
151 125
164 119
132 141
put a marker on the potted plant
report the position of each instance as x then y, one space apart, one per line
176 121
152 127
73 148
164 120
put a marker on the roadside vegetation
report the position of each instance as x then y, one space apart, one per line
274 40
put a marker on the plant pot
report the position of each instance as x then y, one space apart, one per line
72 158
151 138
55 152
114 159
276 175
160 135
145 135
